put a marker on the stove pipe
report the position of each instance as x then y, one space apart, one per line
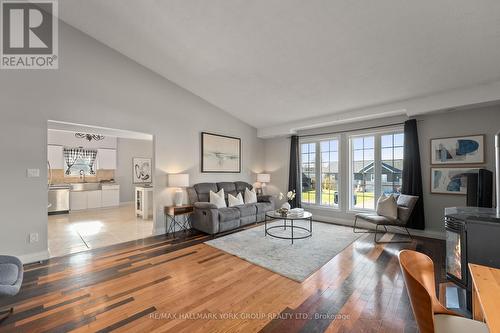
497 171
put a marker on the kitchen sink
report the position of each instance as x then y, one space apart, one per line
85 187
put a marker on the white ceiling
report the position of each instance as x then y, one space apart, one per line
273 61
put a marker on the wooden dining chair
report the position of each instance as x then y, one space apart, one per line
431 316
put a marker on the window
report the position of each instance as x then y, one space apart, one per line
392 163
363 172
320 161
308 161
329 172
376 168
80 162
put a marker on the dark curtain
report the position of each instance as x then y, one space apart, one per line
412 174
294 175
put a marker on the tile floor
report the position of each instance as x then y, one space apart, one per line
93 228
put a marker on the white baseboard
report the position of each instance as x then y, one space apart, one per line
34 257
366 225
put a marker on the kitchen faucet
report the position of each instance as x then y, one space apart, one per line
82 175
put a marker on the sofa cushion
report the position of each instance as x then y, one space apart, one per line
217 199
241 186
228 214
234 200
229 225
250 196
228 187
8 274
203 190
247 210
263 207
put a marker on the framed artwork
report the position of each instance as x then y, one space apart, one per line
220 153
142 170
458 150
450 180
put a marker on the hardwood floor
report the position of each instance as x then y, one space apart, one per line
182 285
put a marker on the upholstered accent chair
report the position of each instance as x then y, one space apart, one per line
212 220
11 278
406 204
431 316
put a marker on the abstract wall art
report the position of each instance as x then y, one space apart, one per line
450 180
142 172
458 150
220 153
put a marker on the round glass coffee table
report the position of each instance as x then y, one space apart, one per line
273 215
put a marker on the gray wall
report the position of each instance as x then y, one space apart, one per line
484 120
95 85
127 149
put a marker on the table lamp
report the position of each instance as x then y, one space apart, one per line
263 178
178 180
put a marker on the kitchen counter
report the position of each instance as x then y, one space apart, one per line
471 214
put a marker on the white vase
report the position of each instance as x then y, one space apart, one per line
286 205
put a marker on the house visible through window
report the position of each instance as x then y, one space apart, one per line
376 168
363 168
320 162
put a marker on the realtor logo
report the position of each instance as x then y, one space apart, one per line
29 34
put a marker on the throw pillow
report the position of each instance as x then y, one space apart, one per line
250 196
218 199
235 200
387 207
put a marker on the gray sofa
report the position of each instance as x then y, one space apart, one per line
212 220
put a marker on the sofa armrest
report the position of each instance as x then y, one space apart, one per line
205 217
204 205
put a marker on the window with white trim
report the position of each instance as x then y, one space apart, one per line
376 164
320 172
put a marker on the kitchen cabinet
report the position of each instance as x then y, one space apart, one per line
110 195
55 156
94 199
106 159
78 200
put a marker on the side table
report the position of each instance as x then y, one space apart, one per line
171 214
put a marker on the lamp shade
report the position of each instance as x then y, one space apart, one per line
263 177
178 180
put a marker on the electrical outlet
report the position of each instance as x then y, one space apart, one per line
33 237
33 173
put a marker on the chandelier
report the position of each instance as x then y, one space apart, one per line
89 137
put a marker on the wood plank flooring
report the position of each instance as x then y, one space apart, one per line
162 284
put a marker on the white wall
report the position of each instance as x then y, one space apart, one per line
126 151
95 85
481 120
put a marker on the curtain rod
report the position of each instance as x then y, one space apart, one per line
351 130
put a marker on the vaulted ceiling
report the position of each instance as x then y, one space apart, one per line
273 61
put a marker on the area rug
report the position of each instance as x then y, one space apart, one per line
297 261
